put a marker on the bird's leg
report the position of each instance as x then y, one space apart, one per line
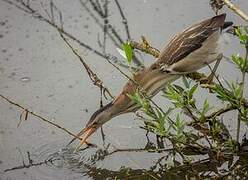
160 142
101 105
103 136
210 78
147 137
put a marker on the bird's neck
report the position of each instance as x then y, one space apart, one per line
149 80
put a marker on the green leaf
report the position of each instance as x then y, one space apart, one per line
205 106
242 34
128 52
186 82
240 62
121 52
192 90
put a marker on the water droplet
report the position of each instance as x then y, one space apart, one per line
25 79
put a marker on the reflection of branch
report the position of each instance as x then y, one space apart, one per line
159 150
25 166
236 10
30 164
38 116
110 28
102 26
35 14
105 29
124 19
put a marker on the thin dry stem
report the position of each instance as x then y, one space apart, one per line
236 10
94 78
39 116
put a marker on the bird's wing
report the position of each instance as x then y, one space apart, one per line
189 40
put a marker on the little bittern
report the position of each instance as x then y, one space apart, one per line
187 52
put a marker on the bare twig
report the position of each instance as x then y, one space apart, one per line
23 116
124 19
144 48
220 111
236 10
39 116
94 78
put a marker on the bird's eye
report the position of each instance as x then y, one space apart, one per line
94 124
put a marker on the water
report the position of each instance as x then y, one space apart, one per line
39 71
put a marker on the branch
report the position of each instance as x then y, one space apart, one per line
96 81
220 111
236 10
146 48
39 116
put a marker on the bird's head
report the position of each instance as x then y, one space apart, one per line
100 117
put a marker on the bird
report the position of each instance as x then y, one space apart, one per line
188 51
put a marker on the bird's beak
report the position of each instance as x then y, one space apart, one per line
87 132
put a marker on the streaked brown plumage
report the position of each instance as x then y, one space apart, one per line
186 52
